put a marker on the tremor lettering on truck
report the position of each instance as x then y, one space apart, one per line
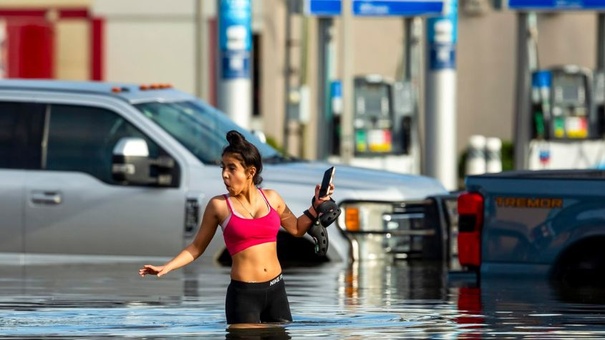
525 202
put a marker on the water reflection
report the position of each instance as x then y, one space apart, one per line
527 307
370 299
378 283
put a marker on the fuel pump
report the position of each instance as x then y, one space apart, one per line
383 125
562 104
566 126
373 116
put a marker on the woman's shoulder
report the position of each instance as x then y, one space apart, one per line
269 192
217 201
221 197
218 206
272 196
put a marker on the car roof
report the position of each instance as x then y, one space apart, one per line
130 92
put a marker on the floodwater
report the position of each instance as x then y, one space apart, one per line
331 301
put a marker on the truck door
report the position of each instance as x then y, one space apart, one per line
20 131
75 207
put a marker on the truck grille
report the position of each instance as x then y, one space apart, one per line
405 229
423 229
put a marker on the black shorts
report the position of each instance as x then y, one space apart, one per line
257 302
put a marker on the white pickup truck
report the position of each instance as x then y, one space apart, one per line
74 181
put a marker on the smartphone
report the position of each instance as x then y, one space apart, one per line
325 182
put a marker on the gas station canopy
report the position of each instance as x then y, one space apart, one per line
376 8
552 5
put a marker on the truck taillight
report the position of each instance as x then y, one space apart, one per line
470 222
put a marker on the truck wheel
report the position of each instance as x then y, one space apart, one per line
581 265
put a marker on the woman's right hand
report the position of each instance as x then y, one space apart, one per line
152 270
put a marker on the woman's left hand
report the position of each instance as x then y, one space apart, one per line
318 200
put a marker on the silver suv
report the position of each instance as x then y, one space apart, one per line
95 168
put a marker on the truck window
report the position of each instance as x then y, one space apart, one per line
82 138
200 128
20 135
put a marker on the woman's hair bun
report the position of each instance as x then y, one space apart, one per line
235 138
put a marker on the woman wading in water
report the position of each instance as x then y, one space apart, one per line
250 219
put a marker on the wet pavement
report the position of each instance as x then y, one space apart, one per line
330 301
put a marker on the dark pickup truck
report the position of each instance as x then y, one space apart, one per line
534 223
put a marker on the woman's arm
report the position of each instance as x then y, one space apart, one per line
297 226
195 249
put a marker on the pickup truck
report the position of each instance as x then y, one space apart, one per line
120 170
546 223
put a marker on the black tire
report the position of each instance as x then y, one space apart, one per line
581 265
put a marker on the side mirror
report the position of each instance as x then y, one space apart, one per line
260 135
131 164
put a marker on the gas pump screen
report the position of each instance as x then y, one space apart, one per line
569 89
373 99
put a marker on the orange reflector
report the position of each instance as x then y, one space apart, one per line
116 89
352 219
155 86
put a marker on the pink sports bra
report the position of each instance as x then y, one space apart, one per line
241 233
